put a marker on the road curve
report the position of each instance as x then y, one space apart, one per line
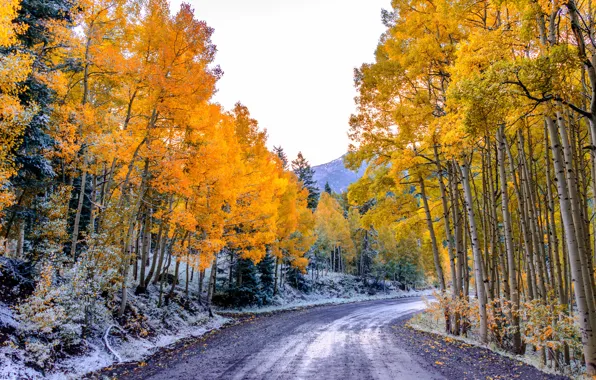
352 341
359 341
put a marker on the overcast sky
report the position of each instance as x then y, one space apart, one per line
291 62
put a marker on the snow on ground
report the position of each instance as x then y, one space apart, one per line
6 317
96 356
319 301
332 288
155 328
132 350
173 322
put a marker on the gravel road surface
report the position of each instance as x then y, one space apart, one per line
366 340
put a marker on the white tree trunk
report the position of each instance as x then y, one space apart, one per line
478 275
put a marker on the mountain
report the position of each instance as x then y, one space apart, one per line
337 175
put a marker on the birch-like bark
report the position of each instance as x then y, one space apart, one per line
527 242
446 222
530 203
478 276
514 290
77 220
552 230
433 238
578 221
575 264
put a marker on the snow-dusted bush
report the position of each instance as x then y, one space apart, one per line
44 321
92 275
64 304
63 309
50 232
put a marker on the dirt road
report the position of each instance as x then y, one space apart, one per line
354 341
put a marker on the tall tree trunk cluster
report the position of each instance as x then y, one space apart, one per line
521 210
496 127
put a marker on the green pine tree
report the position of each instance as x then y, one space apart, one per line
296 279
279 152
305 174
38 39
247 290
266 270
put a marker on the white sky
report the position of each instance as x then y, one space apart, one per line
291 63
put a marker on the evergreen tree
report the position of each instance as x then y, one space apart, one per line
296 278
328 188
247 290
39 39
266 270
305 174
279 152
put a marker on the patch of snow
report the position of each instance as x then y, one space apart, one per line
12 367
7 317
12 364
130 351
333 288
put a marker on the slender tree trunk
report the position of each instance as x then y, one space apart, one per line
514 290
457 240
552 225
578 222
186 294
77 220
127 241
533 224
585 319
201 279
523 221
145 248
136 249
92 212
433 239
478 276
212 281
156 254
126 267
275 280
162 279
174 282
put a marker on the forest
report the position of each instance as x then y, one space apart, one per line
482 115
127 193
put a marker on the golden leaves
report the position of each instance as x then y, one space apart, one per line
8 30
15 67
331 226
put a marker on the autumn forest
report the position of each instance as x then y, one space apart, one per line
133 205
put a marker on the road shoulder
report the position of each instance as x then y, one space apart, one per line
458 360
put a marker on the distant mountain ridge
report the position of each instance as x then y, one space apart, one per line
335 173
